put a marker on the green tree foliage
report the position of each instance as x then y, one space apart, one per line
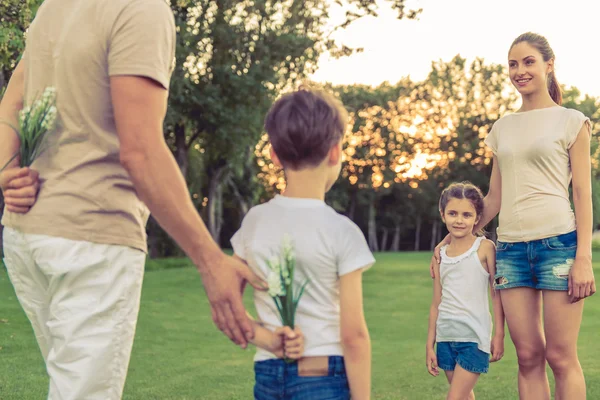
233 59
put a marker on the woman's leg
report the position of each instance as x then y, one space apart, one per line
562 321
523 310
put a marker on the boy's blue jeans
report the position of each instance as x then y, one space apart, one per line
276 380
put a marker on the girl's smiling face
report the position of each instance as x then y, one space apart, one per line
460 217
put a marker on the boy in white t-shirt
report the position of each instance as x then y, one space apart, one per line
305 130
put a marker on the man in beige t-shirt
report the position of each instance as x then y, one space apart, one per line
76 256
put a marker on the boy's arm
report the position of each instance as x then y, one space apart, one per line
273 342
355 336
265 339
284 342
497 309
433 315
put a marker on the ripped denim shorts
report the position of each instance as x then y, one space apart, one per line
539 264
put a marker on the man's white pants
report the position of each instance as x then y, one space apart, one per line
82 300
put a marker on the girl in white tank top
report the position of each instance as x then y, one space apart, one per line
460 322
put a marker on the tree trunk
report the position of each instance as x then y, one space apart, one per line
418 233
243 204
154 250
434 235
384 240
396 239
372 227
353 201
215 204
181 149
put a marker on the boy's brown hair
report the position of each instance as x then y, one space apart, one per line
304 125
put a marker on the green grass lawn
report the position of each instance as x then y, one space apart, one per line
179 354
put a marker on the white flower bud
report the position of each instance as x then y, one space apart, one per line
275 287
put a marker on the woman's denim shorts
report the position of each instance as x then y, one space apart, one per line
539 264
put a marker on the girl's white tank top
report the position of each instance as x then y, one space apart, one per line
464 311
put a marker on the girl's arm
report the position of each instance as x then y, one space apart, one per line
355 336
581 279
431 358
498 311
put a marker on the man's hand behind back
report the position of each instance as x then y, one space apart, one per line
19 187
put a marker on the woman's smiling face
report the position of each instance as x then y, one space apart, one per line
527 69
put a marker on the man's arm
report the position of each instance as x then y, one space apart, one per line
19 185
11 104
139 107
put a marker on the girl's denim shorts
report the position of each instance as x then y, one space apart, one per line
539 264
465 354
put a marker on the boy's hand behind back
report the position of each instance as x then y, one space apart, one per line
293 342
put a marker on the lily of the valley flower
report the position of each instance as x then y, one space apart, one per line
34 122
275 286
280 280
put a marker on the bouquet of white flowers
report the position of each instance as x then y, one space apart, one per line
34 123
281 284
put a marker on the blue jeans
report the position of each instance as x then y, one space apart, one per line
276 380
538 264
465 354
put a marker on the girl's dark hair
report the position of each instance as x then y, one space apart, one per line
462 190
542 45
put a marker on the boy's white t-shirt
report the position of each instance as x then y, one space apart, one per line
327 245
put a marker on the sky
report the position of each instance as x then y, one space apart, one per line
472 28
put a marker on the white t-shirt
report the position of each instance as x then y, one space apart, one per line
532 149
327 245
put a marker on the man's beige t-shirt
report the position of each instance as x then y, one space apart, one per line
76 46
532 149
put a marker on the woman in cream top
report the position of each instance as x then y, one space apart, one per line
544 262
